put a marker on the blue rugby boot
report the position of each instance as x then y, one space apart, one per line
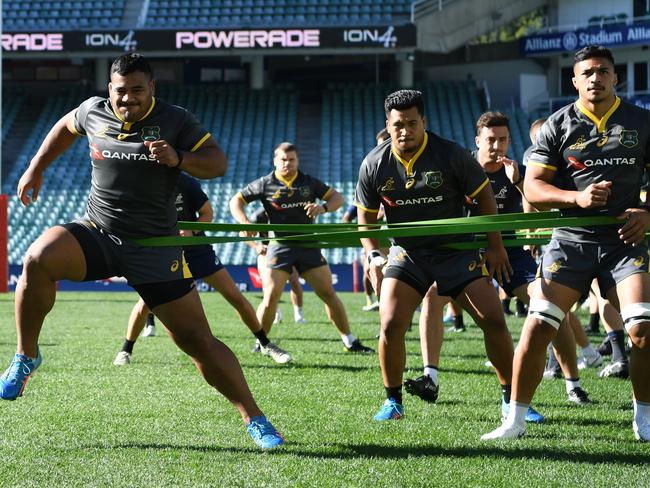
532 415
390 410
263 433
13 380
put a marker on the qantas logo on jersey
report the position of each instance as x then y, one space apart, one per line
600 162
411 201
285 206
97 154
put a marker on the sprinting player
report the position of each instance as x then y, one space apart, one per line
133 138
296 292
563 173
420 176
193 205
290 197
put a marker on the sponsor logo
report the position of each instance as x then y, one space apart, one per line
580 144
629 138
575 163
174 267
472 266
112 39
569 41
33 42
248 39
638 262
411 201
554 267
433 179
389 185
95 153
285 206
150 133
602 141
409 183
609 162
356 36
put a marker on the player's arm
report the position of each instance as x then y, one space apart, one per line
376 259
205 214
61 136
204 162
637 220
237 205
333 201
495 255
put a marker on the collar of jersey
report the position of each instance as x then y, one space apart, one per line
127 125
289 182
601 124
408 165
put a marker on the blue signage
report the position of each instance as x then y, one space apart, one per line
608 36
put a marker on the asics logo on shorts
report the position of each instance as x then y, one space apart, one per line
174 266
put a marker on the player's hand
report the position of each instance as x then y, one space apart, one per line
163 152
498 264
634 230
30 180
314 209
376 275
511 167
261 250
595 195
186 233
247 233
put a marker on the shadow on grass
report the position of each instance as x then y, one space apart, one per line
296 365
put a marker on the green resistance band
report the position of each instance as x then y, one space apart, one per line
348 235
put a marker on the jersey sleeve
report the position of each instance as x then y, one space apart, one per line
471 176
366 195
81 114
191 135
253 191
320 189
544 153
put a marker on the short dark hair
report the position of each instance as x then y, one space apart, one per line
382 135
403 100
492 119
535 125
286 147
130 63
593 51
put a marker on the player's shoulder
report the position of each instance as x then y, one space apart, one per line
94 103
377 153
633 110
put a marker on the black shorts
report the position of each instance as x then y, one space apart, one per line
202 261
158 274
452 271
524 269
286 258
576 264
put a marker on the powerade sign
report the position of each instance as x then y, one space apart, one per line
608 36
387 37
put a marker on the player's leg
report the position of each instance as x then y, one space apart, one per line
634 297
589 356
372 304
222 282
273 281
296 297
431 337
187 325
614 342
137 321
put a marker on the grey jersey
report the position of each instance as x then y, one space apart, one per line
581 150
132 195
431 186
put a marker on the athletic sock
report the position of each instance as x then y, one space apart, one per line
261 337
297 310
617 338
552 360
517 414
641 409
394 392
571 384
369 300
432 372
505 392
588 351
520 307
594 322
150 320
128 346
348 340
458 321
505 303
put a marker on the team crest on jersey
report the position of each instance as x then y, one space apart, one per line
433 179
150 133
389 185
304 191
629 138
276 195
580 144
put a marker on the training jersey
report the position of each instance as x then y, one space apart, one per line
131 194
581 149
431 186
190 197
526 156
285 200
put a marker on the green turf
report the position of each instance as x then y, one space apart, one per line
85 422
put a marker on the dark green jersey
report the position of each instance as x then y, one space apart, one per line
432 185
132 195
285 200
582 149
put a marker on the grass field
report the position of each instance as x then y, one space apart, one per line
85 422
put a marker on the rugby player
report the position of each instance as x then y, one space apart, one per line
589 159
138 147
420 176
290 197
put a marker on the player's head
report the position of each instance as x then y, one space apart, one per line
405 121
492 136
534 128
593 74
382 136
131 87
285 159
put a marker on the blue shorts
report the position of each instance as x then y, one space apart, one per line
524 269
202 261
